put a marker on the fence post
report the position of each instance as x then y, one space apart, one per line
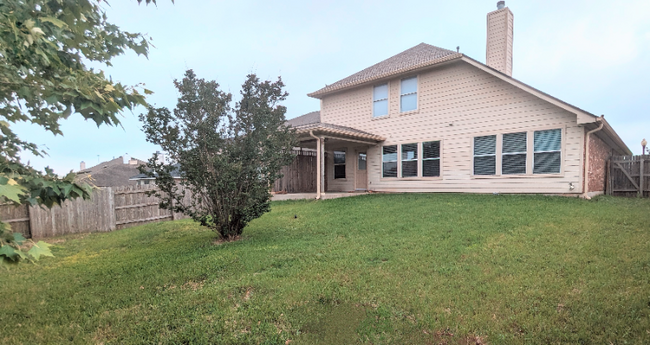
608 187
641 178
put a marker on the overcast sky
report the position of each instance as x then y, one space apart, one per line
592 54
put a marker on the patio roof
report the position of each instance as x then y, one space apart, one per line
341 132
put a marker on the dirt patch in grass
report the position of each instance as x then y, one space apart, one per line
220 241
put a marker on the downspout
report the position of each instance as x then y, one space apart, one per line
311 133
585 187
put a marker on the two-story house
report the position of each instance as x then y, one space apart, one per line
435 120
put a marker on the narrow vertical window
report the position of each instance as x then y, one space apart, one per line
513 157
389 161
431 158
548 152
409 94
339 164
380 100
485 155
410 160
362 163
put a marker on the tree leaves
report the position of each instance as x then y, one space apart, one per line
58 23
40 249
227 157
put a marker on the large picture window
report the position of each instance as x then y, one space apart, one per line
389 161
431 158
548 152
410 160
485 157
380 100
409 94
513 153
339 164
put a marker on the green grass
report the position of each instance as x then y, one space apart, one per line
380 269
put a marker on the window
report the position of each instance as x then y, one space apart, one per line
513 159
362 162
431 158
339 164
410 160
380 100
409 94
389 161
548 156
485 157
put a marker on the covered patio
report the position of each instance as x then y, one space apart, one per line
336 163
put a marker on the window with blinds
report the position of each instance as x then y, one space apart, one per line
431 158
380 100
339 164
389 161
485 157
513 154
409 94
548 152
410 160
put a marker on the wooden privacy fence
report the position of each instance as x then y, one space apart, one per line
300 175
629 176
108 209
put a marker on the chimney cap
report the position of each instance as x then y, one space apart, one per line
501 5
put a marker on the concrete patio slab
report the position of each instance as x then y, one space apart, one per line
299 196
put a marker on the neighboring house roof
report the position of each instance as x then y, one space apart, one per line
176 173
111 173
425 56
422 55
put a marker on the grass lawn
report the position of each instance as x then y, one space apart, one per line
374 269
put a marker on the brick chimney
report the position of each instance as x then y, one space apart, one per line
500 28
82 166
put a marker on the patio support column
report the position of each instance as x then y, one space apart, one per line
318 164
322 166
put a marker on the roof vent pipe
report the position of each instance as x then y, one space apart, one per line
501 5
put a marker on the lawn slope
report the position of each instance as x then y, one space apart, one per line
380 269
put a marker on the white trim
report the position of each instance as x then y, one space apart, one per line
387 99
416 160
416 93
381 155
515 153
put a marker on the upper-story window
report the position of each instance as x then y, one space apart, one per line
409 94
380 100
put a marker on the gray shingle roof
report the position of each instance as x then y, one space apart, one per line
313 117
422 55
176 173
111 173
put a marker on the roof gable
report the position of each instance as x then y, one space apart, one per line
421 55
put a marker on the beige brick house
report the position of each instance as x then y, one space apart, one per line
435 120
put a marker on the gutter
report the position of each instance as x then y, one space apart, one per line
585 187
318 153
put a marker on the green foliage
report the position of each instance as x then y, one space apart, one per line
227 156
44 48
15 248
374 269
